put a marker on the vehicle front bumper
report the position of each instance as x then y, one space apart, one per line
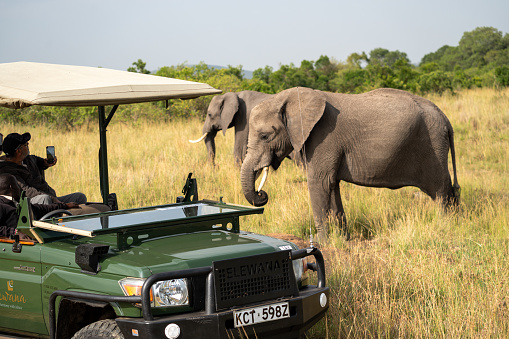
305 311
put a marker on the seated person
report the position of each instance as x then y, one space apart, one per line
10 193
2 156
29 171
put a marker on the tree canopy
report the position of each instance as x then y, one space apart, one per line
484 48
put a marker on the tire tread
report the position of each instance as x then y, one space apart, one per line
100 329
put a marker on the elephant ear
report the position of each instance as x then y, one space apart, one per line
303 108
230 108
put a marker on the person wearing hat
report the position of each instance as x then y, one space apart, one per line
29 171
10 192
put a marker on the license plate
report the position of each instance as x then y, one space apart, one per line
261 314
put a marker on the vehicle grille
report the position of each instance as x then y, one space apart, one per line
252 279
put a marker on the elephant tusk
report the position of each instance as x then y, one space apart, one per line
264 178
198 140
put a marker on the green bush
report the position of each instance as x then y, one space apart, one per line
436 81
502 76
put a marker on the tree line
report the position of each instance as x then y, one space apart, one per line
481 59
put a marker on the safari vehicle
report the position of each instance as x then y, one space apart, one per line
180 270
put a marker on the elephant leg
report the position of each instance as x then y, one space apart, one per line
321 203
337 211
238 154
237 159
438 185
447 194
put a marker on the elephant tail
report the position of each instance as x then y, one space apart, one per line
456 189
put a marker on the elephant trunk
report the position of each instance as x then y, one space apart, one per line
211 145
247 178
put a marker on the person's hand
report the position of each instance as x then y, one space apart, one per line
72 205
50 164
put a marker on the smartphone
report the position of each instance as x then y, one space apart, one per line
50 154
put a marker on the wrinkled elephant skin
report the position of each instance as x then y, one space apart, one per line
383 138
231 110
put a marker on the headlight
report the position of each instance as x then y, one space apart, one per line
171 293
300 266
167 293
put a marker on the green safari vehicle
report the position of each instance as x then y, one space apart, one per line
179 270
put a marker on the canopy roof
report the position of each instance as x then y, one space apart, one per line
24 84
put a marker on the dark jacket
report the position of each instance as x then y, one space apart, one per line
30 177
9 217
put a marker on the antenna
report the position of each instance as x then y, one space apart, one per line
311 243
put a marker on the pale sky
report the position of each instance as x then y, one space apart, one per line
254 34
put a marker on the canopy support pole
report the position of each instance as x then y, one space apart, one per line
103 151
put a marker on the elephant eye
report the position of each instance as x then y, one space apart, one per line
264 137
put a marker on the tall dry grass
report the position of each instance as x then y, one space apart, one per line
411 270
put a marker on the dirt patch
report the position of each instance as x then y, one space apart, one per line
301 243
329 253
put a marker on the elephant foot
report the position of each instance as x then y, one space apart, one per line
344 231
347 234
321 237
322 233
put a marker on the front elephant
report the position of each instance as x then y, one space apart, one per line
226 111
383 138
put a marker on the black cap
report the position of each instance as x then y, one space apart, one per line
13 141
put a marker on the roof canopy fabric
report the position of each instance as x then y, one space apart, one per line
23 84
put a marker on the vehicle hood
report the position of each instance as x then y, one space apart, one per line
176 252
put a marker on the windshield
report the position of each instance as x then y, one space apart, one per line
152 215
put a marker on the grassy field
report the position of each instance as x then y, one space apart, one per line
411 270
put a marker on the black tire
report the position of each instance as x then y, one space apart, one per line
101 329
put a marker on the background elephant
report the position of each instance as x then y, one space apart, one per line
383 138
230 110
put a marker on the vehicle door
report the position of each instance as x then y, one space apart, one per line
20 287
